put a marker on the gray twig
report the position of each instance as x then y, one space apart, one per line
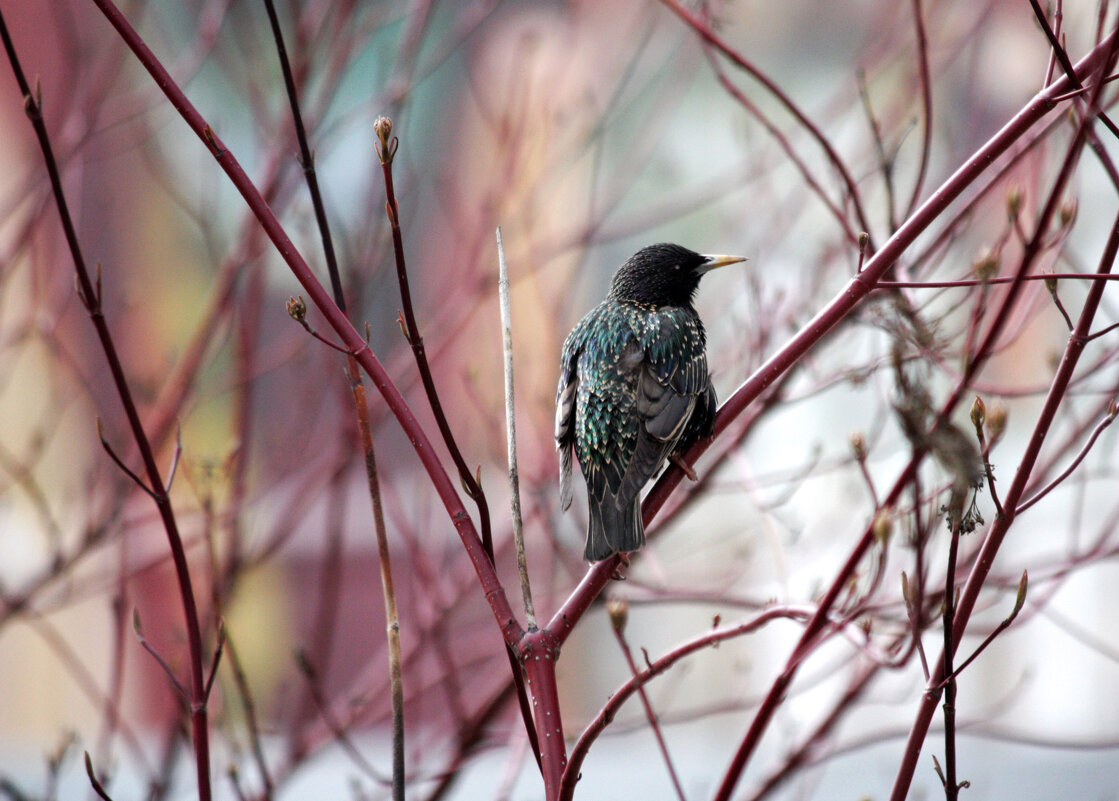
511 432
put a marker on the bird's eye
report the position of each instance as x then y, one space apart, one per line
676 267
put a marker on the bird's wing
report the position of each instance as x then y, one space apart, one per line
672 384
675 346
604 415
565 409
702 422
662 414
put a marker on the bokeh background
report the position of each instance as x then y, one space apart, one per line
584 130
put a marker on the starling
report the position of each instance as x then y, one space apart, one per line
633 387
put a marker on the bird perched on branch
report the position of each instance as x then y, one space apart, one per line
633 388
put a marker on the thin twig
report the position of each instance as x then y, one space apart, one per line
1108 419
858 448
249 708
511 433
913 610
951 786
1102 332
392 619
1051 286
147 646
386 152
306 157
618 612
1020 599
139 482
925 83
336 727
921 536
885 159
978 418
297 310
216 660
965 283
178 453
93 780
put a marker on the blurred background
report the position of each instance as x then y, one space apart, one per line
585 130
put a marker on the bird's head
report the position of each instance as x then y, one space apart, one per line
664 275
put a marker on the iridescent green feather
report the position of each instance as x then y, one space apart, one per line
609 348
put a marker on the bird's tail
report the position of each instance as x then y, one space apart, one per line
613 529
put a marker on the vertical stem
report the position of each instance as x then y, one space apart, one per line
539 653
392 620
951 786
306 155
386 151
925 83
650 713
511 428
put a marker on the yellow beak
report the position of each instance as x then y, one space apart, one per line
714 262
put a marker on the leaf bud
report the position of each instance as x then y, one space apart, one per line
858 446
1067 212
978 412
618 610
883 526
996 424
297 308
1014 196
986 264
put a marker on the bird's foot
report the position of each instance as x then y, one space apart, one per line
677 460
621 567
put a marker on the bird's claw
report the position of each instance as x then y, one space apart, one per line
678 460
620 569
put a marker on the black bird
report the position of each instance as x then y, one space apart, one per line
633 387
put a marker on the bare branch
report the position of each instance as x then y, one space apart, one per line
511 434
